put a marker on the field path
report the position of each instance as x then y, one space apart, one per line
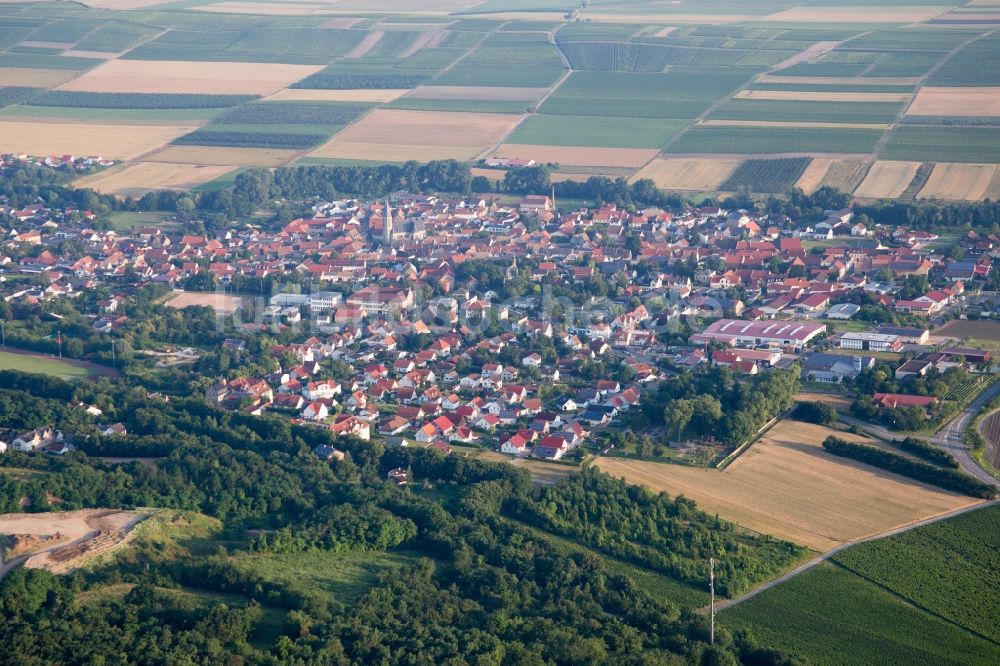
830 553
537 105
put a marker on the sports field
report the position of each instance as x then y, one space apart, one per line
223 304
786 485
42 364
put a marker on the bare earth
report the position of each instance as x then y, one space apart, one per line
689 173
787 486
857 14
960 182
387 132
578 156
96 55
785 123
116 142
222 156
84 534
223 304
887 179
173 76
811 96
37 78
360 95
977 330
956 102
814 50
142 177
499 93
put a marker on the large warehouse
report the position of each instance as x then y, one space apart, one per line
740 333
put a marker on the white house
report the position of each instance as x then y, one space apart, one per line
315 411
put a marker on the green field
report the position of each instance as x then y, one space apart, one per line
924 596
950 568
832 616
471 105
803 111
766 175
943 144
597 132
345 576
683 92
41 365
774 140
122 221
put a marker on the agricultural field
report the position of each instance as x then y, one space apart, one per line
141 177
962 182
831 616
689 174
578 156
943 144
983 334
786 485
596 132
887 179
772 80
385 133
760 175
810 141
111 141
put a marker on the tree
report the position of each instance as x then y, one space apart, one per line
678 414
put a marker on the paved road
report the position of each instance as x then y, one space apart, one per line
827 555
952 437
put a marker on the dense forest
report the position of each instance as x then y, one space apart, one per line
485 587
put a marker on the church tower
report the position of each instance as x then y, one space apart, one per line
387 225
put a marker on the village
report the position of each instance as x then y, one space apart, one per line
465 324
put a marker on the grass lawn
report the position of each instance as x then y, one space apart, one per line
41 365
124 220
346 576
846 325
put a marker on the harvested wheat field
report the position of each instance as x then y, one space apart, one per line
60 541
115 142
95 55
457 135
141 177
222 156
173 76
689 173
497 94
813 96
366 44
316 95
835 400
36 78
223 304
956 102
578 156
887 179
857 14
814 174
786 485
960 182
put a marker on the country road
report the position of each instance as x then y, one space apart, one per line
847 544
951 438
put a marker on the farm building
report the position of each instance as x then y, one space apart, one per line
870 342
736 332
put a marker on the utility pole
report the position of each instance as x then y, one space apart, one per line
59 341
711 591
